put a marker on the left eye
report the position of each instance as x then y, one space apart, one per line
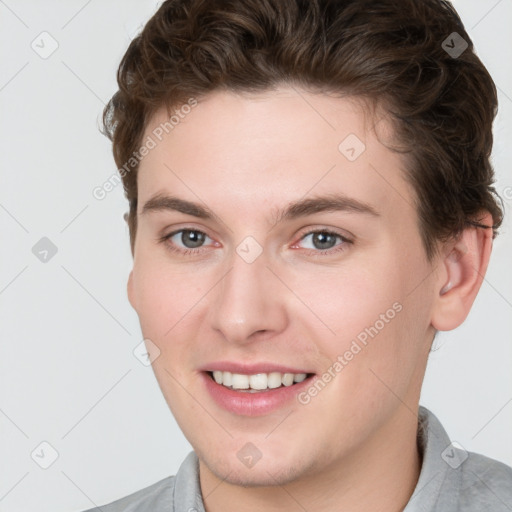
323 240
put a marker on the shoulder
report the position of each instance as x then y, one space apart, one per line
154 498
456 479
485 483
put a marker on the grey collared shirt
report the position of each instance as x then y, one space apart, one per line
451 479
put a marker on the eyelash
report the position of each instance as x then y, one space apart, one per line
315 253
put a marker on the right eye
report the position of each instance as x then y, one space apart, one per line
191 240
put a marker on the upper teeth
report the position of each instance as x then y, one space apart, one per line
257 381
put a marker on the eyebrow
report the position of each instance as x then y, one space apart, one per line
294 210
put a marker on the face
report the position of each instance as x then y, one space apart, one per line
302 256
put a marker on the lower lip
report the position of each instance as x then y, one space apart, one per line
252 404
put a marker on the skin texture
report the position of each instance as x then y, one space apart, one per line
353 446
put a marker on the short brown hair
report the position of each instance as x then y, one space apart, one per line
395 52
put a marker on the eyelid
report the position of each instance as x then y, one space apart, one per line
324 229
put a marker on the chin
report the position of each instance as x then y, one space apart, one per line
267 471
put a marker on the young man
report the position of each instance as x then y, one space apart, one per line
310 202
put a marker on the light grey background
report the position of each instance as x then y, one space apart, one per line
68 374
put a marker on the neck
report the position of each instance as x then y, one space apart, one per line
381 475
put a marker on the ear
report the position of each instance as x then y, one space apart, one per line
463 266
130 290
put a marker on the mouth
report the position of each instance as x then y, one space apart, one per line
255 394
257 382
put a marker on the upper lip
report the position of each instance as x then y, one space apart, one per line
251 368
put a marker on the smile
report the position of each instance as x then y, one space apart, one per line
256 382
255 394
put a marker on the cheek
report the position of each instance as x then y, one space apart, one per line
373 314
164 288
163 296
173 305
167 301
350 299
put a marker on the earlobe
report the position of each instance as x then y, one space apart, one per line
464 265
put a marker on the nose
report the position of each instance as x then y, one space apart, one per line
249 303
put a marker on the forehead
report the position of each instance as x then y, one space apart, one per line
256 152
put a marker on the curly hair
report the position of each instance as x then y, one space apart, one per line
391 52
